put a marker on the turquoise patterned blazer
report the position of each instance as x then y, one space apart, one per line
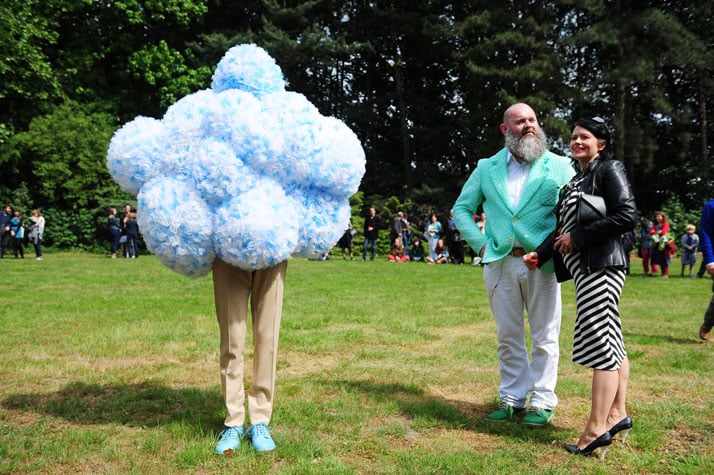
533 219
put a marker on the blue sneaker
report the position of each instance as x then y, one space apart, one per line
230 440
260 437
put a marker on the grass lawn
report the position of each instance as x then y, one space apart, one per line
111 366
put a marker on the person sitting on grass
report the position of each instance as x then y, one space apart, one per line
441 254
396 254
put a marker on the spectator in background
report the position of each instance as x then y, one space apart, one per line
706 238
628 243
397 229
480 220
417 252
131 228
5 237
455 241
662 244
406 233
123 218
645 249
114 228
441 254
37 230
690 246
371 234
17 231
433 234
397 254
481 223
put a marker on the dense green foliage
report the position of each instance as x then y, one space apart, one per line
423 83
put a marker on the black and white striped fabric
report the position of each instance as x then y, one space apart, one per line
597 341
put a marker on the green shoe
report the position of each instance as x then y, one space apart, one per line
505 412
538 417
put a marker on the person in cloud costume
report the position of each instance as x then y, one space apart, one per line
236 179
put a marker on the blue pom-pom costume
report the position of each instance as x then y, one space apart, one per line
245 171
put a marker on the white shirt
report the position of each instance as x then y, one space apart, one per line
517 176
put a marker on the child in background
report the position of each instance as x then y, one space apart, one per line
690 246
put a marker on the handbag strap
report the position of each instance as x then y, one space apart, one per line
594 167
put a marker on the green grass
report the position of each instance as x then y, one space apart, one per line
111 366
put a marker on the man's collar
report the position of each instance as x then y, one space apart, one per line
512 159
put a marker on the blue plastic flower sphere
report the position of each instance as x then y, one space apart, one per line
245 172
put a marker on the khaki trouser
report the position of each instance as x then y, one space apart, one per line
232 288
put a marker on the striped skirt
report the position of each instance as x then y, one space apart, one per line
597 341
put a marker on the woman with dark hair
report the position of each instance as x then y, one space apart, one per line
589 250
17 231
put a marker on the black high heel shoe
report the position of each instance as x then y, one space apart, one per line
623 426
602 441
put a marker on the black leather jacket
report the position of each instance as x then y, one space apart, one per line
599 242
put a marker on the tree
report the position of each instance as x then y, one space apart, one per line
29 84
404 87
29 81
133 56
510 50
636 62
65 155
423 83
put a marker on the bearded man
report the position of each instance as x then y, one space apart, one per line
518 189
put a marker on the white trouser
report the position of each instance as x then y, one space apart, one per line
512 290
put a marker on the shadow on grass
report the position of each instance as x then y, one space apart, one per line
643 339
437 411
140 405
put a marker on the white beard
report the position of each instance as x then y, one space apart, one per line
527 149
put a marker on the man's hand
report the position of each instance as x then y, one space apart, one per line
531 260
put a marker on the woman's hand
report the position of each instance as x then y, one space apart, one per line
531 260
563 244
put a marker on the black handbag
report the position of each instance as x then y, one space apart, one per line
590 208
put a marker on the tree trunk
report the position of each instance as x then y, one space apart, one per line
704 159
403 120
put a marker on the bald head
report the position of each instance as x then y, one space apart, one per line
518 113
524 137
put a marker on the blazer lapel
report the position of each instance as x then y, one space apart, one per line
499 177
